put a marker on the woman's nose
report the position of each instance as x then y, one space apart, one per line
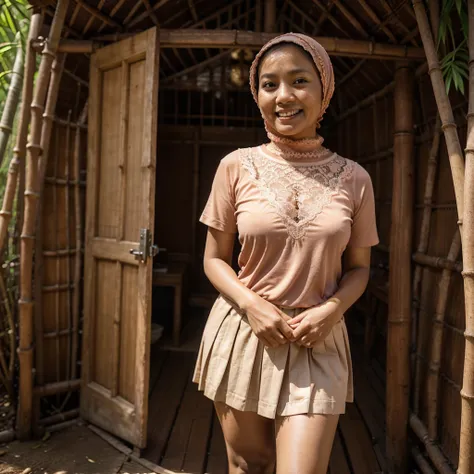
285 93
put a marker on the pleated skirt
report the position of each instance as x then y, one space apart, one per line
235 368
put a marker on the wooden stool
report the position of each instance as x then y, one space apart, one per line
176 278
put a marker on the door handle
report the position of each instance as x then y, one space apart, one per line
137 253
146 248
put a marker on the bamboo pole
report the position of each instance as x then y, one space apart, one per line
269 16
76 299
437 262
59 417
398 337
55 388
422 248
11 103
437 339
25 351
444 108
431 447
20 146
466 455
420 460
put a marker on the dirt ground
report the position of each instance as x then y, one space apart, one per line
72 451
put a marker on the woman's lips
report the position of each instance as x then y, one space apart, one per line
287 116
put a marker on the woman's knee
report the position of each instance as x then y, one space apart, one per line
257 462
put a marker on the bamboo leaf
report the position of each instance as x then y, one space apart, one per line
449 78
459 6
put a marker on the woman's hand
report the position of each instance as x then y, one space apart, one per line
269 323
315 324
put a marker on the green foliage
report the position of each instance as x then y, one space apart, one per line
14 21
455 61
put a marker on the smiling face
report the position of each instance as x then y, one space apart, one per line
289 92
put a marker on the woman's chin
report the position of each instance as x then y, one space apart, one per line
287 130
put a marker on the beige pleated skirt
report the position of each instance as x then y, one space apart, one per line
234 367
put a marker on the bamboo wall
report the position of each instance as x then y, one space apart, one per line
58 267
439 411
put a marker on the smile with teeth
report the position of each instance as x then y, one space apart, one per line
289 113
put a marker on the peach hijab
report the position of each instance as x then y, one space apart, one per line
321 60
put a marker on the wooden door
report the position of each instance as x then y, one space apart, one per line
120 207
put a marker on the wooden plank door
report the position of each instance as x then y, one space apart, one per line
120 207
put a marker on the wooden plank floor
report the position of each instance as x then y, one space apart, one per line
185 436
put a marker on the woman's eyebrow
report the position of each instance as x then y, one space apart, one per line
292 72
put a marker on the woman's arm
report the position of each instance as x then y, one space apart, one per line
218 267
355 278
266 320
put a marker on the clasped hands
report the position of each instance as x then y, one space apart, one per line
274 328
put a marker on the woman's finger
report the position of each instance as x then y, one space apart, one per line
286 331
296 319
300 331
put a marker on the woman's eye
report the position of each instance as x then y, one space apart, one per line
267 85
300 80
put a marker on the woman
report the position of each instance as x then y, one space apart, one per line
275 355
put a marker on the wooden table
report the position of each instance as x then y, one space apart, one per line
175 277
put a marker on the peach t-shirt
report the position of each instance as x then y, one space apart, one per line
294 221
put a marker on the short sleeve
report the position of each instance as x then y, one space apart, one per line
364 225
219 212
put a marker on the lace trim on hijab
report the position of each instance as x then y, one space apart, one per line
297 193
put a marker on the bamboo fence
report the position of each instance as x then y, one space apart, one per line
25 350
422 249
422 260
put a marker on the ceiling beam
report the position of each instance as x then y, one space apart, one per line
373 16
192 9
189 38
392 14
323 17
196 67
130 22
99 15
330 17
151 13
352 19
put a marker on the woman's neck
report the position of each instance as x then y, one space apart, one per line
302 149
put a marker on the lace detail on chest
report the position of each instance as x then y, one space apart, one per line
297 193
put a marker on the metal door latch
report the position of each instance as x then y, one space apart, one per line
146 248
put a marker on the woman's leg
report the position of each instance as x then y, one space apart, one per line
250 440
304 442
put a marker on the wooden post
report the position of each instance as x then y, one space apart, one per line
269 16
398 338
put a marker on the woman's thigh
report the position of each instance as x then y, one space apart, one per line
249 438
304 443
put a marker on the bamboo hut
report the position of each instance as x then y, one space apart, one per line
133 106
